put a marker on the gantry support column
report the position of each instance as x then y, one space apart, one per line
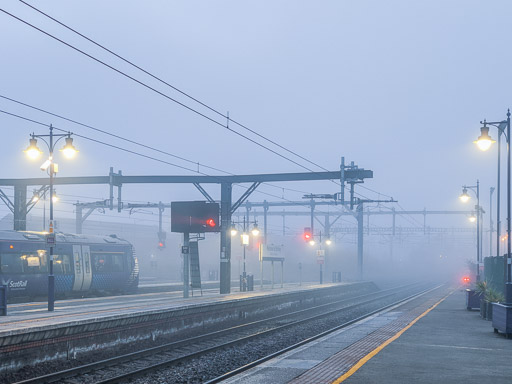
225 238
20 207
360 241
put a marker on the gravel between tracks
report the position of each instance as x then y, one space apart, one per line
215 364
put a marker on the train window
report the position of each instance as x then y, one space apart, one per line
107 262
118 262
24 263
62 264
78 265
11 263
87 263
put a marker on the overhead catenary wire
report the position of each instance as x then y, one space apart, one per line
156 91
130 151
225 116
134 142
168 97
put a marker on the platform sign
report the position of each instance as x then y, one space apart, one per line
271 252
50 239
320 256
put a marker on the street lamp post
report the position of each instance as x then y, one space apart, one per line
464 197
245 241
484 142
49 165
321 252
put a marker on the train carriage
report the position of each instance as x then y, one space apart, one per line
82 264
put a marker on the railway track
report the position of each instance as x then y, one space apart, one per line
129 366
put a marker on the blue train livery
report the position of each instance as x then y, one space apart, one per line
82 264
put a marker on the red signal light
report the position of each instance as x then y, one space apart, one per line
307 234
211 223
161 245
466 279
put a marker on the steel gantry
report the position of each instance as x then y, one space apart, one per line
227 207
359 215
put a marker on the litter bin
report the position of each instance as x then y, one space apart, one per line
250 282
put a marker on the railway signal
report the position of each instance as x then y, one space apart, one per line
307 236
161 240
194 217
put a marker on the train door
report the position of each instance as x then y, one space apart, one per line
86 257
83 270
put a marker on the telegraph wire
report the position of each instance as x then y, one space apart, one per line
155 90
176 101
170 98
112 134
133 142
134 152
171 86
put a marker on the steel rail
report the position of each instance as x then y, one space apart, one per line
313 338
111 362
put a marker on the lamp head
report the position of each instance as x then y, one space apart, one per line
233 230
464 197
484 141
69 149
472 218
255 230
35 197
33 151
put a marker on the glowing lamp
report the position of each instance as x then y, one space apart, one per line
255 231
69 149
464 197
33 151
484 141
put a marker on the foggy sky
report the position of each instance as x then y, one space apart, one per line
399 87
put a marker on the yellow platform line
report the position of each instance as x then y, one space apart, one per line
367 358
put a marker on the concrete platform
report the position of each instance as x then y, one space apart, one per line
77 328
412 343
22 317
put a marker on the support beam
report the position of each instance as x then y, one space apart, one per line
40 192
225 238
117 179
80 219
204 193
6 201
245 195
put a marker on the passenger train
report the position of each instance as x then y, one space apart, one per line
82 264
